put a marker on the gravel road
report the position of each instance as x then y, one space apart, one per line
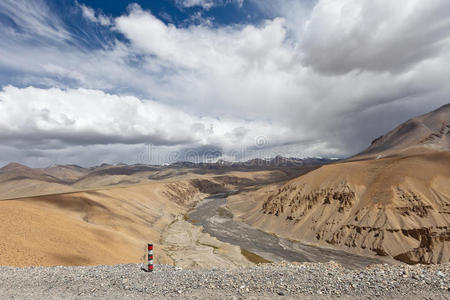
216 220
267 281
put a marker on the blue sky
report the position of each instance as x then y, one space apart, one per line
91 82
171 11
92 35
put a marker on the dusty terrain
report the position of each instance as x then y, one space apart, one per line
396 204
70 220
189 247
93 227
268 281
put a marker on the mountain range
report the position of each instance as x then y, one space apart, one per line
392 199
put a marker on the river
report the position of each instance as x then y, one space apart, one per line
217 220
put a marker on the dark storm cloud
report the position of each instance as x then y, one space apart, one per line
374 36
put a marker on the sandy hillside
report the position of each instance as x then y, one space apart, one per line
96 227
396 204
21 181
386 206
112 224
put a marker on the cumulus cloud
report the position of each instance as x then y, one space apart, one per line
223 71
87 117
322 78
201 47
52 119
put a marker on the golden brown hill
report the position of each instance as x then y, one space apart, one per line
392 199
398 206
66 173
107 226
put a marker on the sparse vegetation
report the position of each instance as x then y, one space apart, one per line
209 245
190 220
254 258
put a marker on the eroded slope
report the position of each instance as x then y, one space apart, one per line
398 206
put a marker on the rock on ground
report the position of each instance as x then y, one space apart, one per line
267 281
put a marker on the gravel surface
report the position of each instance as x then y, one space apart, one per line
282 280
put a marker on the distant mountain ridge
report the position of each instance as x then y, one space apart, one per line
427 132
17 180
278 161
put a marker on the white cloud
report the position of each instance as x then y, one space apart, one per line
35 20
236 66
200 47
90 14
205 4
241 67
54 118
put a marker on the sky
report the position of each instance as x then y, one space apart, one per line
96 81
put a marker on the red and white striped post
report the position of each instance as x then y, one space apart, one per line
150 258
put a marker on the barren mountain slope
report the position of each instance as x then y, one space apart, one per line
427 132
398 205
66 173
17 180
394 206
15 171
95 227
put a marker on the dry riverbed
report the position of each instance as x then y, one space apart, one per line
189 247
216 220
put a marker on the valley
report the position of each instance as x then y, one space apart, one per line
388 204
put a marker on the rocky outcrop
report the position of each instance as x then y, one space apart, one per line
297 202
181 192
438 135
398 207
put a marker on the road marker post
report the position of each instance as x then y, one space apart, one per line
150 258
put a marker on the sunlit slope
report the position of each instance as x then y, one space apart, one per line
96 227
395 206
106 225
